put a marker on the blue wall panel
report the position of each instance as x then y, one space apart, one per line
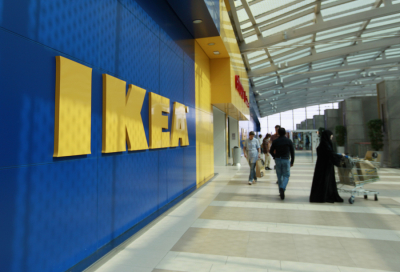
52 209
171 74
27 97
189 168
174 173
163 177
189 95
57 211
138 54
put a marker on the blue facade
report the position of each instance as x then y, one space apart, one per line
57 212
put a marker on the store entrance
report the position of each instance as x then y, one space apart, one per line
305 140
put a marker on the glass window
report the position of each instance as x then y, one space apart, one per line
311 111
287 120
299 115
273 120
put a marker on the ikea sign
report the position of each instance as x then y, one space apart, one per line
122 121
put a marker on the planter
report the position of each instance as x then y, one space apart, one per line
340 149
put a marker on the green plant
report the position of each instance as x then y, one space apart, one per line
340 135
320 130
375 133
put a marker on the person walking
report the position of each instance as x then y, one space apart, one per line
276 135
273 138
324 187
260 140
251 150
266 145
307 142
283 153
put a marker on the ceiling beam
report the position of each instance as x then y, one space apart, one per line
236 20
272 11
343 79
309 30
250 3
331 54
251 18
282 100
358 66
299 47
310 102
277 23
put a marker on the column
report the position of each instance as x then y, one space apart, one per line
319 121
389 112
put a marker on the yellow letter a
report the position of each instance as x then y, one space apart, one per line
179 131
158 121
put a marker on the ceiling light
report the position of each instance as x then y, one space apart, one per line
211 43
216 53
198 21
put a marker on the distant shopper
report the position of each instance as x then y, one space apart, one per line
283 153
307 142
251 150
276 135
324 187
260 140
266 145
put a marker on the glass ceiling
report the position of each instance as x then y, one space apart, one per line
301 53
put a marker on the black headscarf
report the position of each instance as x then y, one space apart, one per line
326 141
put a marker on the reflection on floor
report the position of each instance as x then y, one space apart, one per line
230 226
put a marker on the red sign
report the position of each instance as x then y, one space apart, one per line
242 93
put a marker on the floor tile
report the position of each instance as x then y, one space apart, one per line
228 225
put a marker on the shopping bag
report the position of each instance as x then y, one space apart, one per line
260 168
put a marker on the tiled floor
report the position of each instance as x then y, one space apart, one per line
228 225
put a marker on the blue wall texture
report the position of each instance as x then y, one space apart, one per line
57 212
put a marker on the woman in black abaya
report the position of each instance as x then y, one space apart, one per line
324 187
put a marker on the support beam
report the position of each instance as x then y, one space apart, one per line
272 11
335 23
278 23
250 3
344 80
303 94
376 64
311 102
251 18
236 20
332 54
299 46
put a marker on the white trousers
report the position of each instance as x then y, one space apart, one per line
267 159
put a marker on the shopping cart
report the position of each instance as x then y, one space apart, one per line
354 173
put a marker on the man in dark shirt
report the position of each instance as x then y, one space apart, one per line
274 137
282 151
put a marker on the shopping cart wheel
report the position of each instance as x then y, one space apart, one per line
376 197
365 196
351 200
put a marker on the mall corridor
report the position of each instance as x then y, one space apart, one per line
228 225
